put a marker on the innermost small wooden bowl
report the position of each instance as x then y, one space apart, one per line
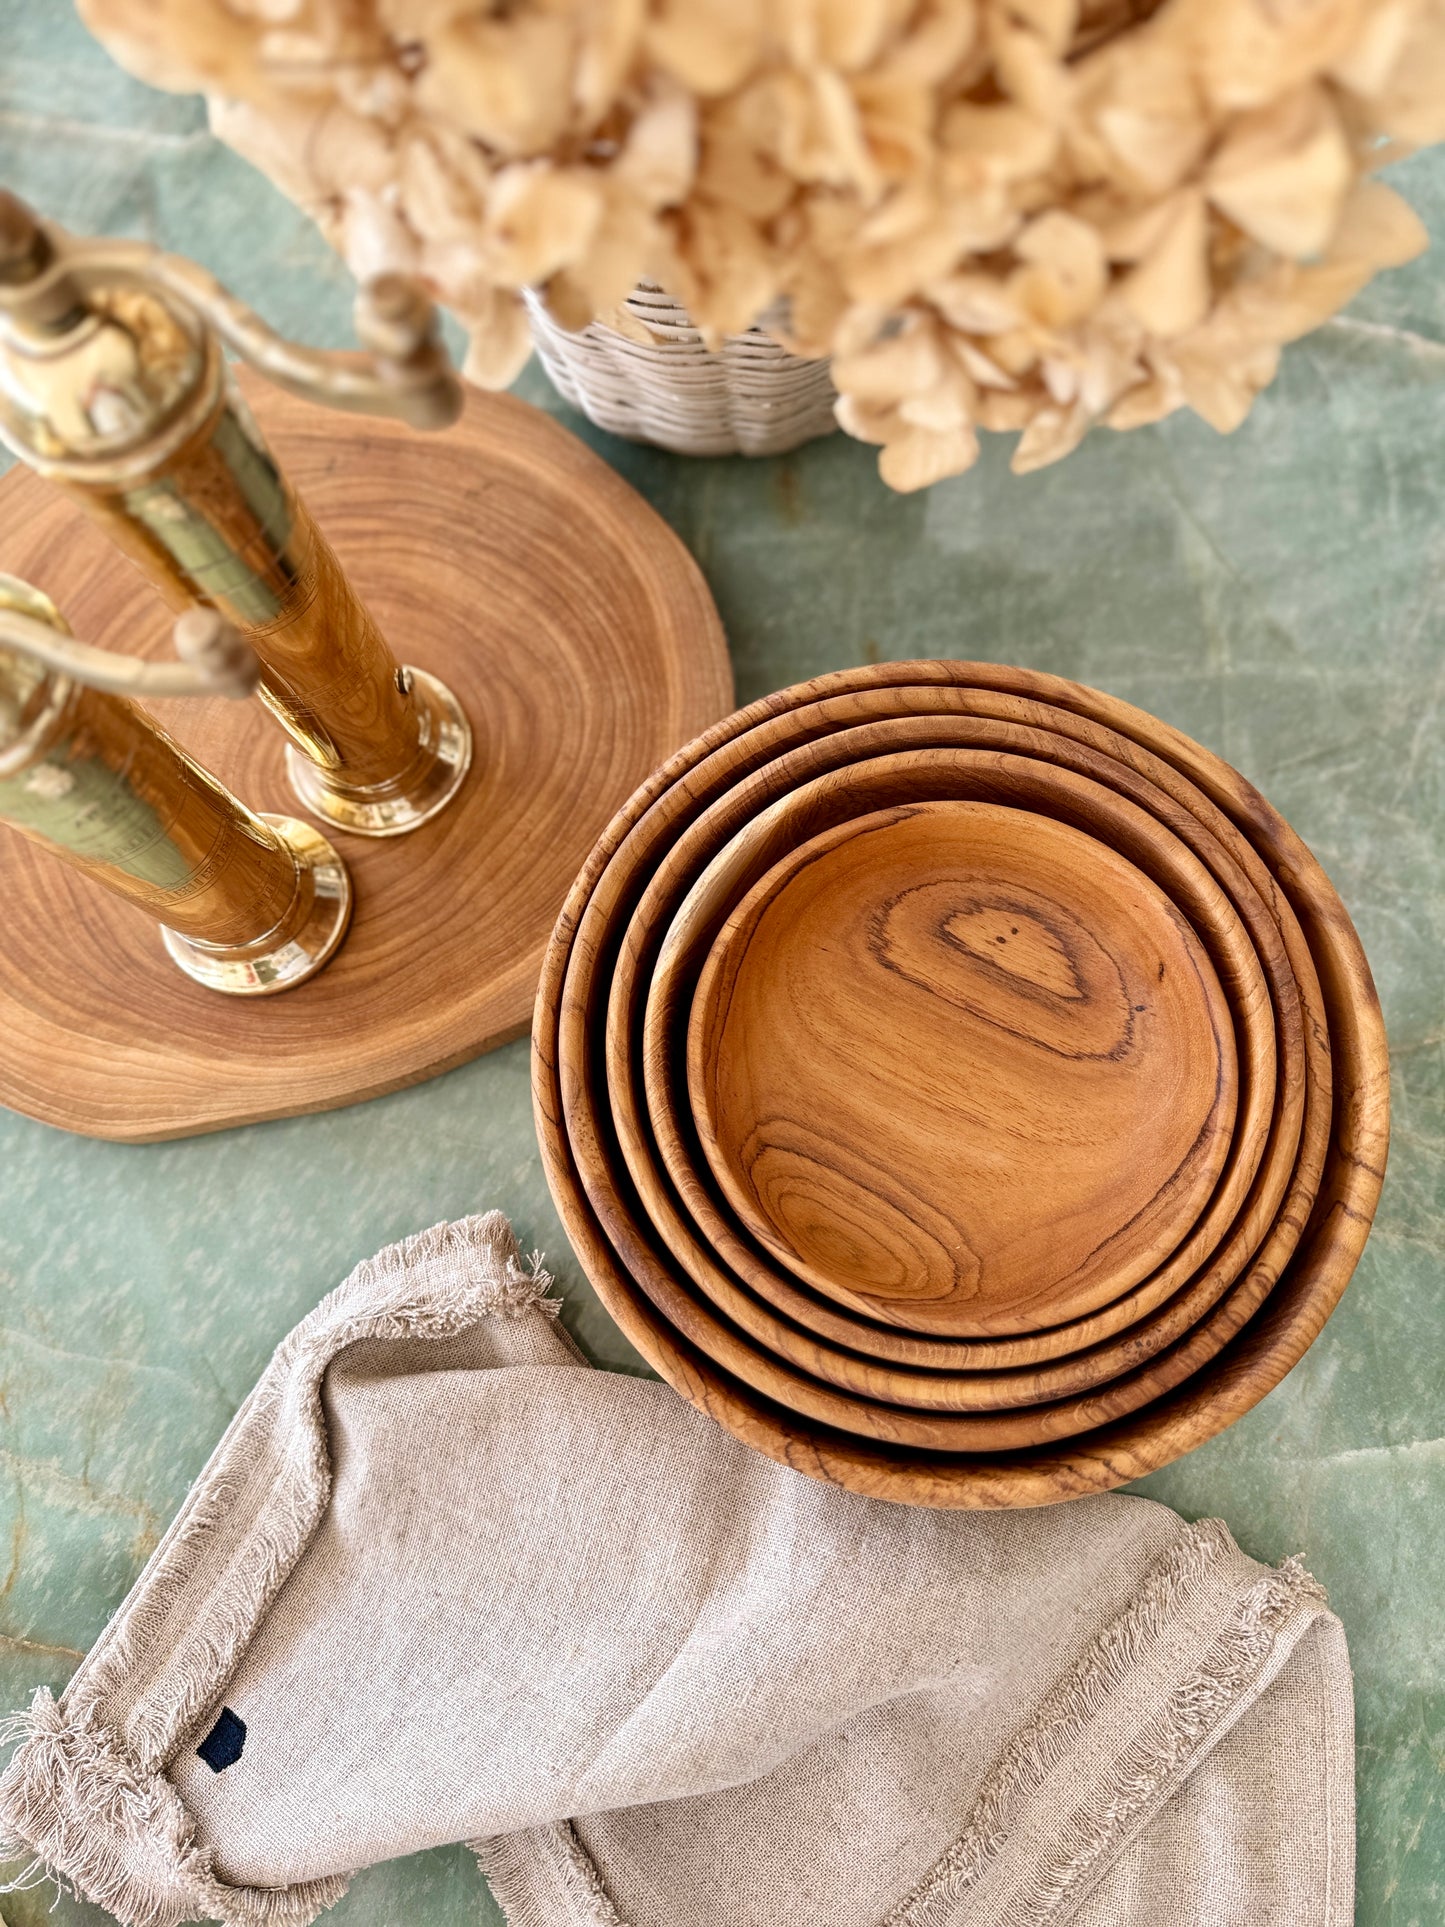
962 1068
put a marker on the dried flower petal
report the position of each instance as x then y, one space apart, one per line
504 80
816 305
905 364
1411 104
1249 53
982 371
1283 173
724 270
1368 62
537 220
659 159
608 38
1168 293
738 162
1149 401
920 457
948 404
1050 436
896 118
179 45
867 421
1027 71
1006 413
440 203
616 257
940 34
1065 272
820 133
842 34
1009 215
976 304
500 343
374 237
1006 143
710 46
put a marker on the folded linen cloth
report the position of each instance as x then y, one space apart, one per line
442 1581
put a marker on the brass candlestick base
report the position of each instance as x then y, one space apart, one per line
246 905
444 755
304 939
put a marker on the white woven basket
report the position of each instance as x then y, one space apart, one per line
749 397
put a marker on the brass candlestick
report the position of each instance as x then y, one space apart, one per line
114 386
248 904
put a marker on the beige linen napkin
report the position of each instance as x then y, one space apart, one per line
442 1581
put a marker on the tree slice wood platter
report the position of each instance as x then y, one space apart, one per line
1267 1346
803 1323
583 643
963 1068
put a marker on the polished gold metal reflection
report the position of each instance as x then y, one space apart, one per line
248 904
113 384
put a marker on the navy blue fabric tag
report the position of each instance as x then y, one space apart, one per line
222 1745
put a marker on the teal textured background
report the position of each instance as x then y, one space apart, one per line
1280 595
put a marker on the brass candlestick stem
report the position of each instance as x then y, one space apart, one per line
248 904
113 385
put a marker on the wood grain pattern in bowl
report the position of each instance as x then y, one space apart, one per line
758 835
963 1068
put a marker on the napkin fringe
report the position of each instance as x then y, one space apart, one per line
86 1791
511 1290
106 1830
1126 1789
511 1864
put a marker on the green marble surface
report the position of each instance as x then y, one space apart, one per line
1280 595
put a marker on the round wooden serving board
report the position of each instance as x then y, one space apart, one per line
583 643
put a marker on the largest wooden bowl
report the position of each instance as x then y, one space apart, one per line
1250 1366
653 1267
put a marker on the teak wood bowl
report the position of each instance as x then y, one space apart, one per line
848 792
964 1068
1261 1353
843 792
722 1342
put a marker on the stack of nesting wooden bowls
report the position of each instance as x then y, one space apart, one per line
964 1087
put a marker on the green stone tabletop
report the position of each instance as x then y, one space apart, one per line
1280 595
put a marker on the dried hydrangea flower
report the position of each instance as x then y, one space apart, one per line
1009 216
